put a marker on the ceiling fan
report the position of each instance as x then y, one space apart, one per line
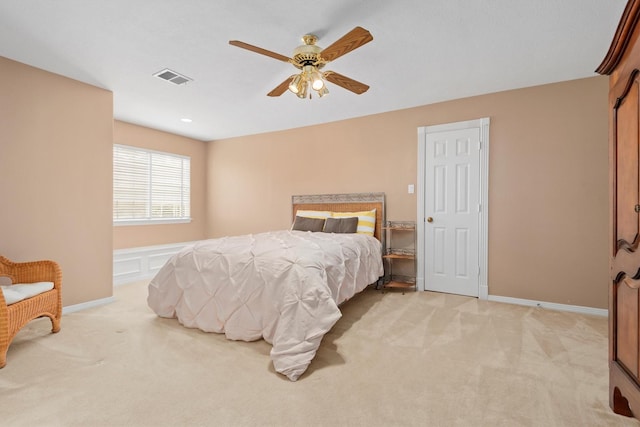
310 59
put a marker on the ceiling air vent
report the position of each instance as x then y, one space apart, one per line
172 76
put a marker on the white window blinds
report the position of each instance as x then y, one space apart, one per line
150 186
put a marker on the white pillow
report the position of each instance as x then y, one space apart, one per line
20 291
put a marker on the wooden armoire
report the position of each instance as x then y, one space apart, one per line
622 64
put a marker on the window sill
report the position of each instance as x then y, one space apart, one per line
162 221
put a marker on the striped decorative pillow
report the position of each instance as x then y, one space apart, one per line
313 214
366 220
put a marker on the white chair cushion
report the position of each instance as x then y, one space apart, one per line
11 296
20 291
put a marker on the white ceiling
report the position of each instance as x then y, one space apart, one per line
424 51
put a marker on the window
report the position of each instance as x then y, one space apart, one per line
150 187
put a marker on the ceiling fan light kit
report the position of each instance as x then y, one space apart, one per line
310 77
310 58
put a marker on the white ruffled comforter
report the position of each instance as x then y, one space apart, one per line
283 286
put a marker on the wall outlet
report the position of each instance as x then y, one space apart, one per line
410 189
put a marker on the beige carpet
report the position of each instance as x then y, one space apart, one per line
420 359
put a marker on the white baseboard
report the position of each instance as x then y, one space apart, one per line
483 292
134 264
551 305
89 304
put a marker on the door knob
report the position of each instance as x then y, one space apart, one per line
429 219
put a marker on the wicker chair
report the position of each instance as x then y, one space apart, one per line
13 317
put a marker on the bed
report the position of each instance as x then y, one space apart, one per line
283 286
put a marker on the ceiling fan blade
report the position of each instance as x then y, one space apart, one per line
345 82
259 50
350 41
281 88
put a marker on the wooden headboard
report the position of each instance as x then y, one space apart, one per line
353 202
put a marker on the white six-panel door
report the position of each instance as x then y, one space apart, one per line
451 208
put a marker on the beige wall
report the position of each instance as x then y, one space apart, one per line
56 173
548 181
129 236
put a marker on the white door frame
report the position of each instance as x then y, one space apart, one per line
483 259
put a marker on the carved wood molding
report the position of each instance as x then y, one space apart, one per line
339 198
629 247
621 38
626 89
631 283
625 265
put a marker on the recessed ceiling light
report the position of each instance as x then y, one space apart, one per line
186 120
